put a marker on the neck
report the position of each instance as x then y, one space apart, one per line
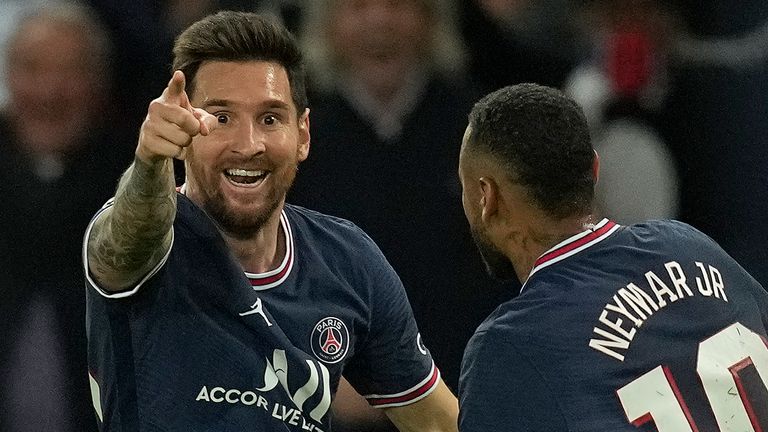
262 251
531 242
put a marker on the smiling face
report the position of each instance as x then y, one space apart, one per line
241 172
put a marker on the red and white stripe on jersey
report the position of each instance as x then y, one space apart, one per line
407 397
575 244
273 278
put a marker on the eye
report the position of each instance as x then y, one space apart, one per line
270 120
222 118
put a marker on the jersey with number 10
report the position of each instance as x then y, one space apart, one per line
648 327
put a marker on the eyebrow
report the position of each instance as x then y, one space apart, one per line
215 102
272 103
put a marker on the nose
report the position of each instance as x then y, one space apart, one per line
250 140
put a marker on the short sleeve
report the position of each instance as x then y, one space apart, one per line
500 390
93 284
393 368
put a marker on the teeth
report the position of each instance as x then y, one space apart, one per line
245 173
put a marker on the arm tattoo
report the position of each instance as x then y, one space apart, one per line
132 236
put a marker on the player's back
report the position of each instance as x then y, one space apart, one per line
647 327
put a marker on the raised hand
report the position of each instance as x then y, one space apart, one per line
171 124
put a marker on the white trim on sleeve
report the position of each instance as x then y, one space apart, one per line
92 282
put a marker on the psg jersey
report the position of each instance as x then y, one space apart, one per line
650 327
200 345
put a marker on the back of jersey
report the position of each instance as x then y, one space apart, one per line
650 327
689 326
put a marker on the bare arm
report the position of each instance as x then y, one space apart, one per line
130 238
437 412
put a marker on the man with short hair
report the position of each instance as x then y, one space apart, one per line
219 306
615 327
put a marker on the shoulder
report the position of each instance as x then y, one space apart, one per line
321 224
326 232
498 364
494 344
665 227
663 234
510 321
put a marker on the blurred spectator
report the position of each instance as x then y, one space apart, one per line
687 83
622 87
289 12
143 32
57 164
716 120
513 41
10 12
389 105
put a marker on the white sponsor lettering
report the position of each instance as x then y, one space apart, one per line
276 372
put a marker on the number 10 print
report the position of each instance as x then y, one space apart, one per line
655 397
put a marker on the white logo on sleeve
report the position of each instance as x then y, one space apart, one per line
420 345
257 308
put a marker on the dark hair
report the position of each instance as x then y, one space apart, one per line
240 36
541 137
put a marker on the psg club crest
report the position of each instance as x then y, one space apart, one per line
330 340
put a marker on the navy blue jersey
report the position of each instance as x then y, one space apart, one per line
200 345
647 327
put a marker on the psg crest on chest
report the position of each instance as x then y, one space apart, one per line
330 340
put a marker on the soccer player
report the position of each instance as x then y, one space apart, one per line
219 307
616 328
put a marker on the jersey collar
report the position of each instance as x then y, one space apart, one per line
574 244
273 278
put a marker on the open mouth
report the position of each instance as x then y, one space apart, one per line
245 177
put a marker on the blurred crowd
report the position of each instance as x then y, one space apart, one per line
676 93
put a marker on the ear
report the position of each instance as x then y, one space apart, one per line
489 198
304 136
596 167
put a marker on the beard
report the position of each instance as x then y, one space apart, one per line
239 226
244 225
496 263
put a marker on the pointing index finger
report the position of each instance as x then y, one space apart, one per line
175 91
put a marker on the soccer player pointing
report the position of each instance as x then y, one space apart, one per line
615 327
219 307
142 235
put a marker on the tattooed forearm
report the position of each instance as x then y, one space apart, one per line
132 236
